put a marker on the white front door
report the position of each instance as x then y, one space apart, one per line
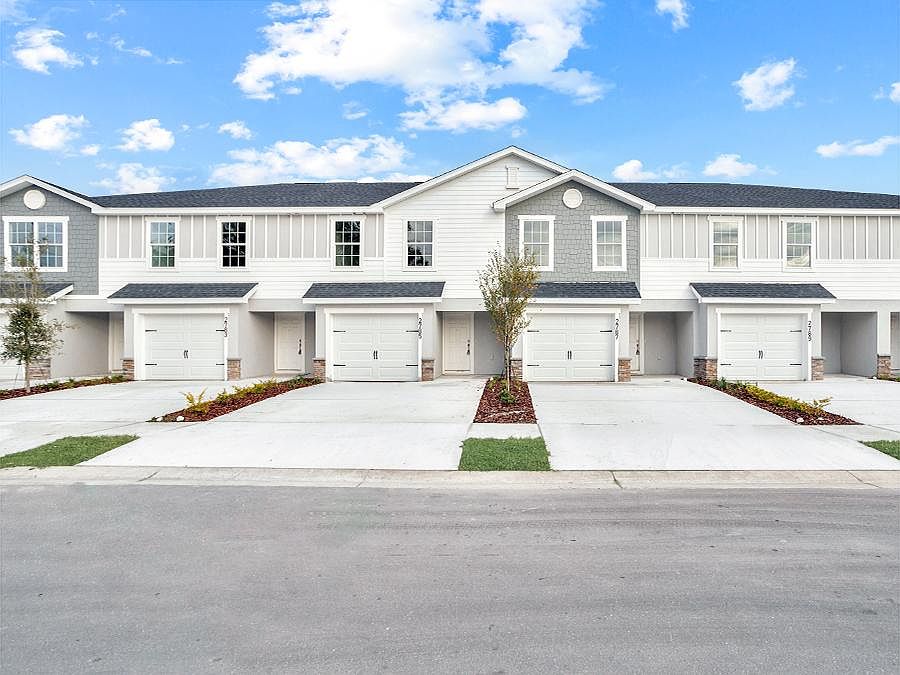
184 346
570 347
289 334
457 342
762 347
636 338
9 370
375 347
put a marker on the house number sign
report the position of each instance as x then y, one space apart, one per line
809 331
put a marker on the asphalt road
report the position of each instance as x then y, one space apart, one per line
231 579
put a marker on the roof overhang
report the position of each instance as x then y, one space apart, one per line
241 211
17 184
763 301
584 301
808 295
786 212
52 297
578 177
150 296
511 151
375 292
373 301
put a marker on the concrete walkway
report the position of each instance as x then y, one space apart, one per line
656 423
336 425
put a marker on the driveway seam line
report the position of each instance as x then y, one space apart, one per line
616 480
862 481
149 477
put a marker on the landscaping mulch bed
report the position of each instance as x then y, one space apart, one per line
797 417
59 385
223 405
493 411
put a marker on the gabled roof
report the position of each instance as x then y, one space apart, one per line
21 182
578 177
804 291
51 289
511 151
183 291
376 289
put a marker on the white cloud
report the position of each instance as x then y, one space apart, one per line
12 11
55 132
90 150
339 158
36 48
678 9
465 115
353 111
116 13
858 148
134 177
92 36
768 86
893 95
632 171
146 135
172 61
396 177
236 130
437 51
119 45
280 9
292 91
729 166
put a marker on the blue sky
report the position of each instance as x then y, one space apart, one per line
138 96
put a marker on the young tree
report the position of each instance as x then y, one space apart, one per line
29 335
507 284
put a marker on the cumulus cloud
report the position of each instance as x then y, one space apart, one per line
769 86
633 171
893 94
36 48
437 51
729 166
146 135
54 133
134 177
858 148
336 159
353 110
465 115
90 150
236 130
678 9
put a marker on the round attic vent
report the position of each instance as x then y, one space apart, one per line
572 198
34 199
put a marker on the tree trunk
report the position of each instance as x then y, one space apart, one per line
508 359
27 365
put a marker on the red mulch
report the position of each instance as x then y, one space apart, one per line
492 410
234 402
787 413
65 384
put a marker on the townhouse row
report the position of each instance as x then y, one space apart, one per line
379 281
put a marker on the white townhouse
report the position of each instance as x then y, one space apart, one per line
378 281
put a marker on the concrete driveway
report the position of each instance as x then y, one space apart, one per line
668 423
872 402
122 408
338 425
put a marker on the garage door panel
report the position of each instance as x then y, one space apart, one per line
357 338
762 347
169 337
571 347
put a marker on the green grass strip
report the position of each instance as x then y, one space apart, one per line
891 448
66 451
504 454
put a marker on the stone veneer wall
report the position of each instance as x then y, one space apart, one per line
625 370
234 369
706 369
883 366
818 368
427 370
318 369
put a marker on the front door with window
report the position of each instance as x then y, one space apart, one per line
635 335
457 343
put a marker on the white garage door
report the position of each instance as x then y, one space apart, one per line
762 346
376 347
9 370
185 347
571 347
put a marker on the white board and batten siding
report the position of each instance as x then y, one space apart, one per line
856 257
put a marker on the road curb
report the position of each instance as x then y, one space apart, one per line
476 480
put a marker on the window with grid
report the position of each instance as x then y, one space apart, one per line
725 243
347 243
21 243
419 243
610 243
798 243
536 241
41 243
50 244
234 244
162 244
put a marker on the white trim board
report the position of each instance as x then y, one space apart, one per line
579 177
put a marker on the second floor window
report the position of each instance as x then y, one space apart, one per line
726 243
536 240
234 243
347 243
609 243
798 243
38 242
162 243
419 243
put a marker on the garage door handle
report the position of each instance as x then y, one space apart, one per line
300 345
760 353
149 330
468 347
185 353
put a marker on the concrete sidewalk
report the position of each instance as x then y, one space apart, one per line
465 480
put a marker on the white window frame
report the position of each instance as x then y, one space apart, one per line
405 243
551 220
623 262
813 227
712 220
332 244
149 247
512 178
248 223
34 220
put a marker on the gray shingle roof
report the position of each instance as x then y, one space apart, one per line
298 195
377 289
587 289
9 289
756 196
768 291
182 291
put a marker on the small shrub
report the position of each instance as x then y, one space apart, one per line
507 397
197 403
